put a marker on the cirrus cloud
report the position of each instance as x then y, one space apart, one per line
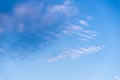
31 27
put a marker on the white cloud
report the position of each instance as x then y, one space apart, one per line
89 17
117 77
83 22
31 12
27 9
75 53
80 32
60 11
21 10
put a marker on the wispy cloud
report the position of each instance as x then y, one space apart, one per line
79 31
30 9
75 53
117 77
2 50
89 18
29 22
83 22
59 11
46 23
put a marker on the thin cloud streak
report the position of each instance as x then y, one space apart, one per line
29 18
83 22
89 18
80 32
75 53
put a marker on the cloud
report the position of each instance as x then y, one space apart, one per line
117 77
83 22
1 30
80 32
75 53
76 30
30 9
32 26
60 11
27 25
89 18
2 50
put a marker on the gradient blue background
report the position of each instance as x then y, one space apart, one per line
24 55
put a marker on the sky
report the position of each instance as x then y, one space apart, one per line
59 40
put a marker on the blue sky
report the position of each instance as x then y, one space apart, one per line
59 40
